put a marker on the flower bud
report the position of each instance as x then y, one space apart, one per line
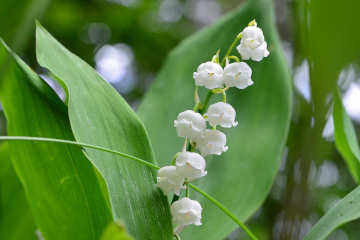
221 113
190 165
252 37
213 143
186 211
190 125
169 180
257 54
238 75
209 74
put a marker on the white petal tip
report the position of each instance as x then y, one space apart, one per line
266 53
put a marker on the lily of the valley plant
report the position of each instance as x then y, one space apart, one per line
191 124
200 141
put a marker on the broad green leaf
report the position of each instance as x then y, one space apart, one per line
35 80
100 116
345 137
241 178
61 185
116 231
348 209
16 220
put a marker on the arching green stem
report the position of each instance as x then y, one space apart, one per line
206 102
11 138
235 58
216 91
174 159
211 92
238 37
232 216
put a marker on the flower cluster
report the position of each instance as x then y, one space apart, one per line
253 44
211 75
191 124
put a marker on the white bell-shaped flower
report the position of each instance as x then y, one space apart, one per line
221 113
257 54
169 180
213 143
209 74
191 165
186 211
252 37
190 125
237 75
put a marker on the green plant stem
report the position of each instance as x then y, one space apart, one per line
187 189
174 159
238 37
210 93
11 138
235 58
206 102
222 91
224 210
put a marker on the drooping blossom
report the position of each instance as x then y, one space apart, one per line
186 211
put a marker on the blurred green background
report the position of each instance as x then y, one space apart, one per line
126 41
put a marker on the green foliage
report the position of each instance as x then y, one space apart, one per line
35 80
100 116
61 185
241 178
115 231
348 209
72 199
17 25
16 220
345 137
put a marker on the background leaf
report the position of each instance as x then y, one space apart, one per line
345 137
61 185
16 220
241 178
116 231
35 80
17 20
100 116
346 210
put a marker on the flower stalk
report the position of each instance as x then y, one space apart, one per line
238 37
20 138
